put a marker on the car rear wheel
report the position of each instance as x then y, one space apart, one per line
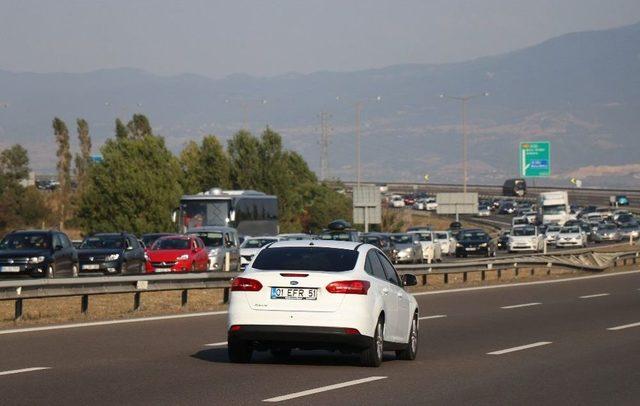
410 352
372 355
239 351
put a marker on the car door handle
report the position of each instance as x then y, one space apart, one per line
385 291
399 294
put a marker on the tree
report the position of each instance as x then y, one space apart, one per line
14 164
139 127
64 166
244 156
135 187
121 129
205 166
84 157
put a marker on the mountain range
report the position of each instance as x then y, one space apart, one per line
580 91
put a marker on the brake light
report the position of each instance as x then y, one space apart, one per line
349 287
294 275
235 328
245 285
351 331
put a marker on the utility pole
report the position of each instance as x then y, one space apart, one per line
465 160
358 170
324 145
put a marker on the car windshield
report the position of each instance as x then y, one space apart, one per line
171 244
114 242
38 241
523 231
149 239
553 229
401 239
570 230
210 239
554 209
257 242
424 236
607 227
473 235
370 240
442 236
306 259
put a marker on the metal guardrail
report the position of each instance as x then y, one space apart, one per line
84 287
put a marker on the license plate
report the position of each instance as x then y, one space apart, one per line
10 269
294 293
163 270
91 266
470 249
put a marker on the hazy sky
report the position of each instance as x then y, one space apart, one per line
269 37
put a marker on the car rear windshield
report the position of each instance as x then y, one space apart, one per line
306 259
472 235
31 241
523 231
401 238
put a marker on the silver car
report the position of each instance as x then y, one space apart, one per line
629 231
408 247
607 232
223 246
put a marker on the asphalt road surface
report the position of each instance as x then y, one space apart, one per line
572 342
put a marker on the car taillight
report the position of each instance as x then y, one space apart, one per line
245 285
349 287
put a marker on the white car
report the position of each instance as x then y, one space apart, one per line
430 204
431 249
525 238
333 295
551 234
396 201
447 242
571 236
250 247
484 211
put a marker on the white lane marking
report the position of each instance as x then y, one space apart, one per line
19 371
512 285
220 344
521 305
624 326
594 295
520 348
323 389
435 316
109 322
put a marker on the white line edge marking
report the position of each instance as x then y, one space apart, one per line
521 305
594 295
512 285
220 344
109 322
520 348
19 371
435 316
323 389
623 326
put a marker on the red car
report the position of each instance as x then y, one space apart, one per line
177 253
409 200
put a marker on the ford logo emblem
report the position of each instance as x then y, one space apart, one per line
294 283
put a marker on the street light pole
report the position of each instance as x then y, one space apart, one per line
465 141
359 169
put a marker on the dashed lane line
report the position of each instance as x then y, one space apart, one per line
435 316
323 389
20 371
519 348
521 305
616 328
594 295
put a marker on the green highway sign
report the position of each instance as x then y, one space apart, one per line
535 159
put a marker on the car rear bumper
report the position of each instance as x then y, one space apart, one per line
304 337
476 251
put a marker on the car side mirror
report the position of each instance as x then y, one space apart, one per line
129 248
57 247
409 280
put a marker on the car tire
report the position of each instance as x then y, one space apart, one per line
123 268
410 352
239 351
372 355
74 271
193 267
50 273
281 354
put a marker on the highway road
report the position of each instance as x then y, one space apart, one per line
568 342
